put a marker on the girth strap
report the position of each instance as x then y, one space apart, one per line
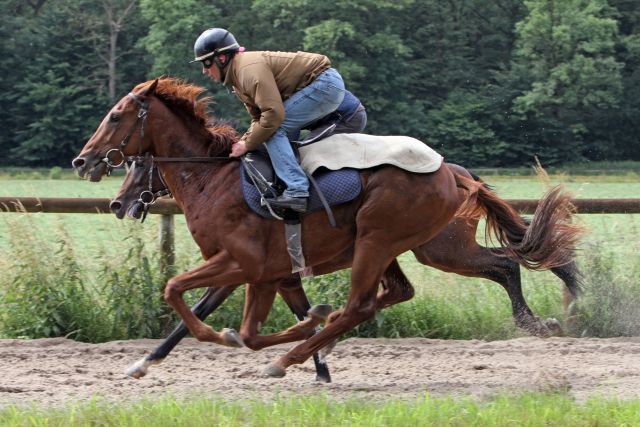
323 199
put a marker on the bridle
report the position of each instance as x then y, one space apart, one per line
141 116
147 197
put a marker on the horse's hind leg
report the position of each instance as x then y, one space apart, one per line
368 267
211 300
293 294
396 288
572 278
455 250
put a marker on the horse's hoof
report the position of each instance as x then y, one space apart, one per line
231 338
320 311
138 369
323 378
555 330
274 371
325 351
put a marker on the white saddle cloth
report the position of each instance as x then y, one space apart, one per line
361 151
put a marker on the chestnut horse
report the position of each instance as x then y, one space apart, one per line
396 211
454 249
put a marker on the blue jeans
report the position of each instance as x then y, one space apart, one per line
319 98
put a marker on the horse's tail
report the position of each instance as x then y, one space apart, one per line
548 241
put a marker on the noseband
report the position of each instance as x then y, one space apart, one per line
148 197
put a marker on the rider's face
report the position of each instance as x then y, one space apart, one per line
213 72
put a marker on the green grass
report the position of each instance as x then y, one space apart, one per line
92 236
527 410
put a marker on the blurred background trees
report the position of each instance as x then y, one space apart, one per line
485 83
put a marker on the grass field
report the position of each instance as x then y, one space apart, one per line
526 410
469 308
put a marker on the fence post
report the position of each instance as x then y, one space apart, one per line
167 253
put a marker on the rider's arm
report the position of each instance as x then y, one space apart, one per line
256 81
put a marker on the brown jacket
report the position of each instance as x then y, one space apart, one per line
263 80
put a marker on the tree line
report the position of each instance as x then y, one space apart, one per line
489 83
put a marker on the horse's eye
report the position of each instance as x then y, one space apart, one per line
114 117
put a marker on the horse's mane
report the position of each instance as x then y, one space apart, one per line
184 99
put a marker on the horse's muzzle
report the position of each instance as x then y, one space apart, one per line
116 207
83 167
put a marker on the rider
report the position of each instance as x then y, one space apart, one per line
283 92
349 117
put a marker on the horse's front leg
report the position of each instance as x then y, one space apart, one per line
221 270
211 300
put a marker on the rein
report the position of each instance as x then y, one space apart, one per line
115 158
142 116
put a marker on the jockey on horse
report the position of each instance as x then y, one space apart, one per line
284 93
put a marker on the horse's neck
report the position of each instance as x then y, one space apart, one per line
192 183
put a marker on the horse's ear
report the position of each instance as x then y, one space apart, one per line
151 88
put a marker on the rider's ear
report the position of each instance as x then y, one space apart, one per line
151 88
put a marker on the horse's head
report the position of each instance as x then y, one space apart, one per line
120 134
140 189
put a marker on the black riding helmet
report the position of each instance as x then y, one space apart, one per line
212 43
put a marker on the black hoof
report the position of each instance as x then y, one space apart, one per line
323 379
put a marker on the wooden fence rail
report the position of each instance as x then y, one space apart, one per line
168 208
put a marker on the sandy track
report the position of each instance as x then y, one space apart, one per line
55 371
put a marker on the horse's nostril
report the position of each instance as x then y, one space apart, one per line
78 162
115 206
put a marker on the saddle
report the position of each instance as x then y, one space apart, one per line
259 183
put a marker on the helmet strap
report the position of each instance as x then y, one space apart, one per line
221 64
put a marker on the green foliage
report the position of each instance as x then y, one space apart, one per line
55 172
610 305
569 49
174 26
565 55
531 409
487 83
47 293
43 293
132 291
459 129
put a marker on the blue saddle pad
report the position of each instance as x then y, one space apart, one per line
338 187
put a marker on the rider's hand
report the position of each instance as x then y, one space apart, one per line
238 149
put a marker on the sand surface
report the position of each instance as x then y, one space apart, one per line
58 371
